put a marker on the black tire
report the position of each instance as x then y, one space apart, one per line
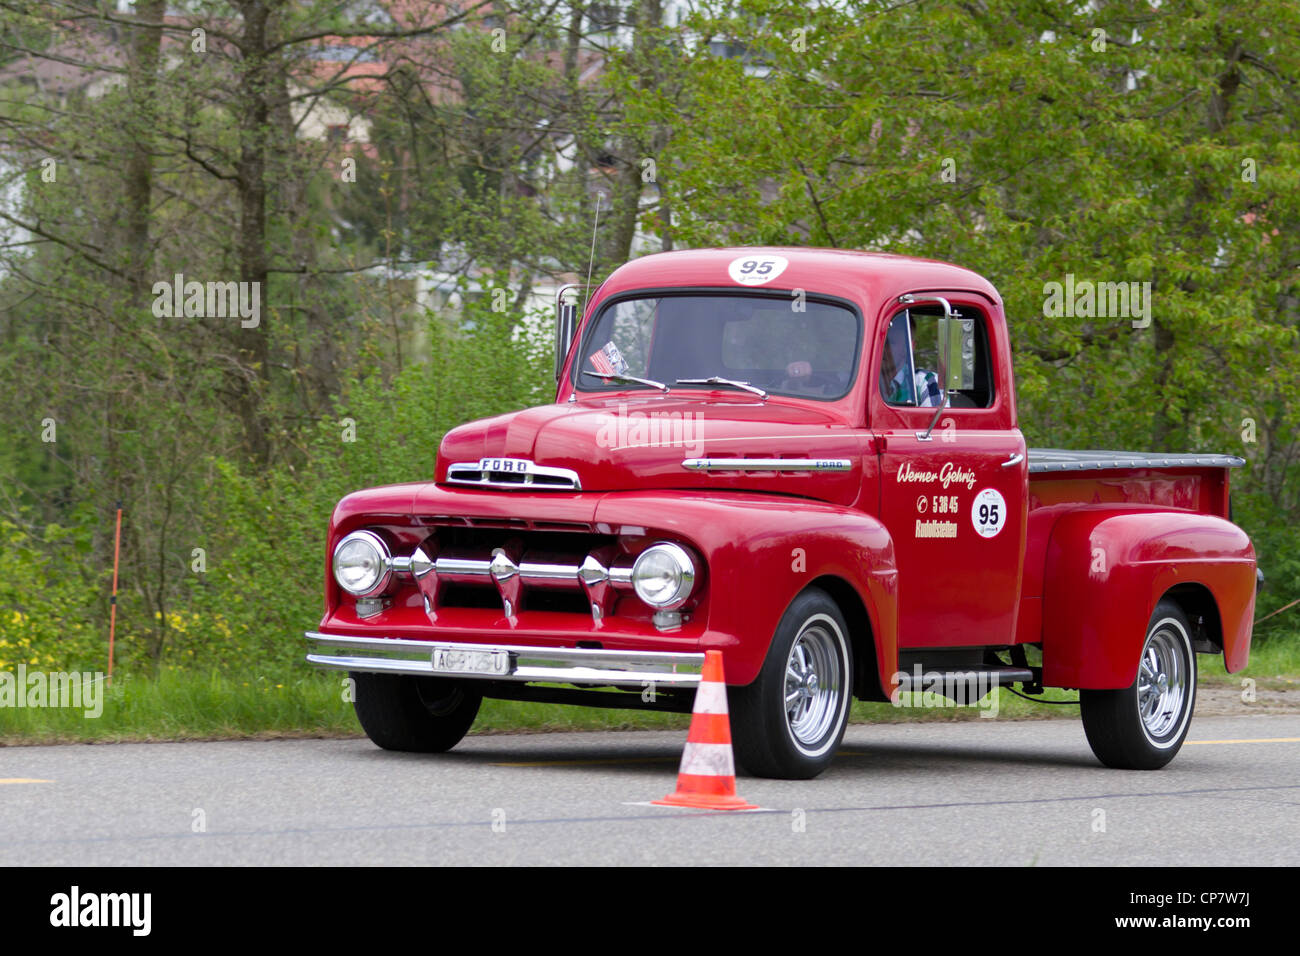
797 743
414 714
1142 727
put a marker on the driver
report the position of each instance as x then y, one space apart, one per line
923 388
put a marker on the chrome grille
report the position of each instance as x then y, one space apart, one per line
461 567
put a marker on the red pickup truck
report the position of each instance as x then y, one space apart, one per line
808 460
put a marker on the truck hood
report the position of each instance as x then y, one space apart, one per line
641 443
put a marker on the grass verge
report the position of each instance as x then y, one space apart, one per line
189 706
1274 663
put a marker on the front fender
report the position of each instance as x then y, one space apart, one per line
1107 568
761 551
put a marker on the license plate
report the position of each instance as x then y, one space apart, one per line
488 662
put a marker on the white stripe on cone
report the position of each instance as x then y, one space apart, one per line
710 698
708 760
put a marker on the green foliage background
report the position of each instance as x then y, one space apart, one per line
998 134
263 534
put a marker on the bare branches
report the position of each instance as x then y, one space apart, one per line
90 253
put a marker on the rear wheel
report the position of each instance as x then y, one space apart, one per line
1143 726
791 719
416 714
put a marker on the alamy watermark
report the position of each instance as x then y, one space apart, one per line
1086 299
77 690
946 689
77 909
208 300
626 429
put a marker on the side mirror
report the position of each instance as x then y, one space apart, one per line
956 353
566 323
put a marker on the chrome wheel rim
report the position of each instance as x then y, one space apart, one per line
1162 682
814 684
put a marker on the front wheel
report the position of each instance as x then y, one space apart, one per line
1143 726
416 714
791 719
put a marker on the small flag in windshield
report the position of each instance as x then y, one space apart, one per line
609 360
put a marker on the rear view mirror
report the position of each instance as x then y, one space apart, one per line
566 322
956 353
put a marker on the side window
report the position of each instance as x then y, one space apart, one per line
909 366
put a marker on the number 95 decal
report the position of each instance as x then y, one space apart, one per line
988 513
756 270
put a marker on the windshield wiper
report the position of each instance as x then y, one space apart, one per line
719 380
626 378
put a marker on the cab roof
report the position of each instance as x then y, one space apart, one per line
865 277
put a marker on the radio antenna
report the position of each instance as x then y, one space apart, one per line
586 291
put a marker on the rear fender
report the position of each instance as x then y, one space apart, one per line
1107 568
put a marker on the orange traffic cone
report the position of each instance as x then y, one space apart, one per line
707 778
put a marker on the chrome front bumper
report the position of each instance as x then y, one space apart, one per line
552 665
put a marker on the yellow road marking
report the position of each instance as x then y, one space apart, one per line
1187 743
579 763
1248 740
23 780
842 753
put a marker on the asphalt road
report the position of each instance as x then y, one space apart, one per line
966 794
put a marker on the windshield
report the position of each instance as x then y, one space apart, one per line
782 345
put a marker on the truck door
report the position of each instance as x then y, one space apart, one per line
955 501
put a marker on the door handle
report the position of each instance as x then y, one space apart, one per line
1014 460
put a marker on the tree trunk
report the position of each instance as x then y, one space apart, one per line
255 91
632 153
1202 194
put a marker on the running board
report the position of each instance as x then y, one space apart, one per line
972 682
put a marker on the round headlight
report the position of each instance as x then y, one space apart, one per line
663 575
361 564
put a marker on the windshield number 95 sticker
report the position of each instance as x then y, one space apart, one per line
756 270
988 513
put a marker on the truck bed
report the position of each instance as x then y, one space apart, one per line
1044 461
1061 480
1192 482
